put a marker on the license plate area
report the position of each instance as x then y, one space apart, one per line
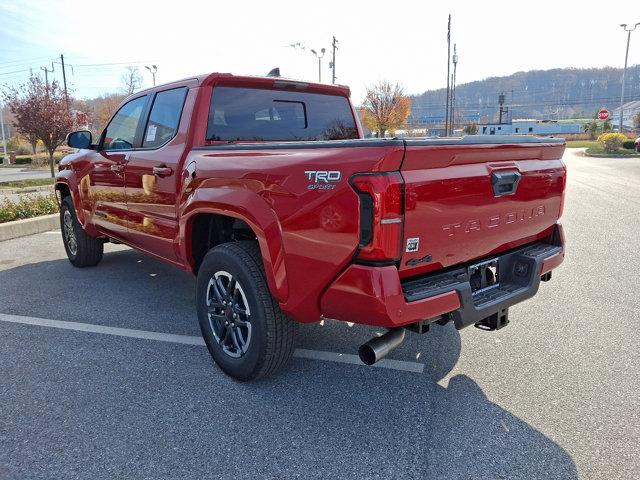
484 276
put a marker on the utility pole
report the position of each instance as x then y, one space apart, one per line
503 109
446 115
624 72
332 64
4 139
453 87
64 82
46 75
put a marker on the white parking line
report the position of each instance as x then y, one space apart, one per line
414 367
402 365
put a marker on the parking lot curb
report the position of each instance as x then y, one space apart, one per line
29 226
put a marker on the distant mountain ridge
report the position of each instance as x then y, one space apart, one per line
559 93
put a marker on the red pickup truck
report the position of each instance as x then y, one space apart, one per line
267 191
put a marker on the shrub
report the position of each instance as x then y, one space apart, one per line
611 141
23 161
629 144
42 159
28 207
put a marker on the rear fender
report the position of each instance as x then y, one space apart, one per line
253 210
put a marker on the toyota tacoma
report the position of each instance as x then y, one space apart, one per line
267 191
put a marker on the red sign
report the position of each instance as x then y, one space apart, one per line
603 114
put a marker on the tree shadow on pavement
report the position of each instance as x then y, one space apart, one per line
314 420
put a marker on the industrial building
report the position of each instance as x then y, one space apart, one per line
529 127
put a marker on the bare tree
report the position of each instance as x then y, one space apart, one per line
385 108
131 80
471 128
40 112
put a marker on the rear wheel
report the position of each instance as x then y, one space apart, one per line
246 333
82 249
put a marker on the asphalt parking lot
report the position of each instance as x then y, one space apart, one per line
555 395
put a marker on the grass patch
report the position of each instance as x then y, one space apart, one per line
31 182
622 152
28 207
582 144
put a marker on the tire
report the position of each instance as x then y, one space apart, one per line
252 344
82 249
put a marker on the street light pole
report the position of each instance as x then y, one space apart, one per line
319 57
624 72
153 69
4 139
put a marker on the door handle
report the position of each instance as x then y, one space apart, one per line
162 171
117 168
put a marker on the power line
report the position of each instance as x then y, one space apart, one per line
23 61
108 64
15 71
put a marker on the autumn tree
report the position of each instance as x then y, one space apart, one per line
131 80
636 122
104 107
385 108
40 112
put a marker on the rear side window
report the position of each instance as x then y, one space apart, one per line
252 114
164 117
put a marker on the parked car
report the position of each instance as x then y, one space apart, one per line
266 190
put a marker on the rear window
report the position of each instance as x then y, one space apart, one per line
252 114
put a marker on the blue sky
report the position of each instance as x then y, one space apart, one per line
404 42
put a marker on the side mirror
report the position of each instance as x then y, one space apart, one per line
79 139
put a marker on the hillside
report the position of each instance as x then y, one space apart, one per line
543 94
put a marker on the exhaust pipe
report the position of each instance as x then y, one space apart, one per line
378 347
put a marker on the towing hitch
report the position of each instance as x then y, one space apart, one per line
496 321
378 347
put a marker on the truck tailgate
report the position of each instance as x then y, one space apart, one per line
465 201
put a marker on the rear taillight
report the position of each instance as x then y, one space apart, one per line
381 215
564 189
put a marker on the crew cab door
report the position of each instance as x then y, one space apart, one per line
105 195
152 175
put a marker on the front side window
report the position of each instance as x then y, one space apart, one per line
252 114
121 132
164 118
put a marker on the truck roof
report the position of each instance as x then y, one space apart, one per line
255 81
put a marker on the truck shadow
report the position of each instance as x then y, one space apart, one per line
322 417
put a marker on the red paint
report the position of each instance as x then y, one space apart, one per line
309 237
373 296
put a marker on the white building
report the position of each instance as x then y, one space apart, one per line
526 126
631 109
